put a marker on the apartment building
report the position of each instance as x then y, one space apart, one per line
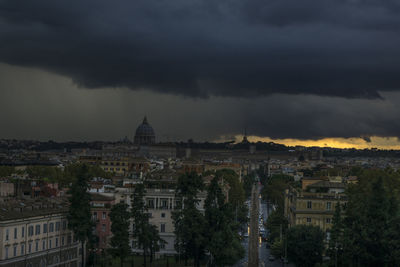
36 234
100 209
160 204
312 208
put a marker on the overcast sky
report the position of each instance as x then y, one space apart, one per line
202 69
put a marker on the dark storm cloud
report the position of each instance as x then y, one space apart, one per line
37 105
345 48
316 117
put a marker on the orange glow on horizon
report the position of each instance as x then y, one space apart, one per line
354 142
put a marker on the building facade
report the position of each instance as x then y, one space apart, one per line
37 236
308 208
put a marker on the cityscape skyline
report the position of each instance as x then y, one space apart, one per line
287 76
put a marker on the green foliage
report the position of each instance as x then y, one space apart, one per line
79 215
189 222
146 235
274 188
119 242
69 175
6 171
371 223
248 182
222 238
71 171
305 245
277 248
277 224
335 249
236 193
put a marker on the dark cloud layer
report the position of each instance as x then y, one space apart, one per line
346 48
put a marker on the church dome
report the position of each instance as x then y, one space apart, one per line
145 134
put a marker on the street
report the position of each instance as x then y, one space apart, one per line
263 251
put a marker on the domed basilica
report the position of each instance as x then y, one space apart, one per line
145 134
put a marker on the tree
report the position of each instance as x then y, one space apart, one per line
305 244
236 194
119 242
248 182
71 171
189 222
222 231
277 248
152 240
6 171
335 249
370 227
79 215
277 225
146 235
273 190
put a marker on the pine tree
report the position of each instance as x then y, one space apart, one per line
222 237
146 235
335 249
119 242
79 215
189 222
305 244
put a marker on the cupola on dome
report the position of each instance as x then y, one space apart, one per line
145 134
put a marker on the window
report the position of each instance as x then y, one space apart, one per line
162 215
69 239
23 232
328 205
22 249
94 215
62 241
37 230
58 224
308 220
150 203
49 243
164 203
30 230
7 234
103 227
104 215
30 247
162 228
309 205
15 251
6 252
15 233
64 225
43 244
44 228
162 245
51 227
36 245
328 220
56 241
